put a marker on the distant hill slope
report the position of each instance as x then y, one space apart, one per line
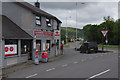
72 31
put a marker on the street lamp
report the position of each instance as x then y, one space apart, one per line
76 26
66 30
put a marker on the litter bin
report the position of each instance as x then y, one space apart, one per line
44 56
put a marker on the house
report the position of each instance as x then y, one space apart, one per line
32 28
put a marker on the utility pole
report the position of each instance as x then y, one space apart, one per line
66 31
76 28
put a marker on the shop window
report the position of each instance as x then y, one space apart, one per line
38 20
48 45
38 45
11 47
48 22
25 46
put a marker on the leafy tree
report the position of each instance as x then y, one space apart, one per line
92 32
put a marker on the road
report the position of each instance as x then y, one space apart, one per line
74 65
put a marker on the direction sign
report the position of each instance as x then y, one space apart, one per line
104 32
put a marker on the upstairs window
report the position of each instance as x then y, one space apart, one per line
48 22
38 20
57 26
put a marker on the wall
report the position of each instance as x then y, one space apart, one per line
19 15
26 20
0 41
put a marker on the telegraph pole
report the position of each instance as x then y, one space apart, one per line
76 28
66 30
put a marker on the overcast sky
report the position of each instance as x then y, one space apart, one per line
87 13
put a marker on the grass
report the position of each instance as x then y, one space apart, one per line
67 45
114 47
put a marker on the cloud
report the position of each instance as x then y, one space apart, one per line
87 12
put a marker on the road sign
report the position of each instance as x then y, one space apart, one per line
104 32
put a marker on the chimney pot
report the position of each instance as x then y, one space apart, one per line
37 4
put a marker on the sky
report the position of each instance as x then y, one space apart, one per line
87 12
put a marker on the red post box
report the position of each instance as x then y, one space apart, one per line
44 56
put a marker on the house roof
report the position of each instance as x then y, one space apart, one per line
37 10
12 31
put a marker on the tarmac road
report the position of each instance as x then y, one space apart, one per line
74 65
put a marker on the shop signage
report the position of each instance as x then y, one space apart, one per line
57 33
10 50
43 33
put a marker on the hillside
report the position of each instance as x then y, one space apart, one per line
71 32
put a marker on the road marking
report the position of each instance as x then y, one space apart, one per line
82 60
64 65
50 69
75 62
91 58
31 75
98 74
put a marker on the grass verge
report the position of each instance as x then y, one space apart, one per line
113 47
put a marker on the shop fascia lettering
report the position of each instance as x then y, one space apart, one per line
43 33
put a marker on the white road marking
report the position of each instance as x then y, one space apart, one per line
64 65
50 69
31 75
91 58
75 62
83 60
98 74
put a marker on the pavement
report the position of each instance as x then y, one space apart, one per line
74 64
13 68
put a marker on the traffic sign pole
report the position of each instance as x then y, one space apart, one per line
104 33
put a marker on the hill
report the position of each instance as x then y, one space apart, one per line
71 33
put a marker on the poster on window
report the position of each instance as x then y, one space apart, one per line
10 50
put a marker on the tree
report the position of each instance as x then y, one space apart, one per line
92 32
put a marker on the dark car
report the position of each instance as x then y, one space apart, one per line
89 47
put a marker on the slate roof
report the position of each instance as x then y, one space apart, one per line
37 10
12 31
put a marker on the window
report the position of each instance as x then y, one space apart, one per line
48 22
48 45
38 20
57 26
25 46
38 45
11 47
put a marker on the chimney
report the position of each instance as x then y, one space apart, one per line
37 4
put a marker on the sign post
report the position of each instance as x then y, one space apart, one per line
104 33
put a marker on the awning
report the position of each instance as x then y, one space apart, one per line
12 31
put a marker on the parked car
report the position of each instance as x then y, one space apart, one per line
89 47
